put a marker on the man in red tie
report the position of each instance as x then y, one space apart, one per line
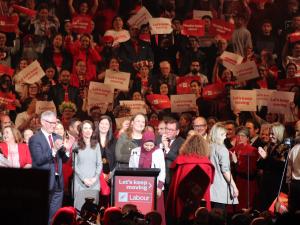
48 152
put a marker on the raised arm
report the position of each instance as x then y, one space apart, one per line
94 7
71 7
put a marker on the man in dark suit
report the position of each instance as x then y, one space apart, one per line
171 144
254 128
48 153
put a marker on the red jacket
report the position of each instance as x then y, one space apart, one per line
24 153
192 178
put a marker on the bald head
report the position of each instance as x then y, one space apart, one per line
200 125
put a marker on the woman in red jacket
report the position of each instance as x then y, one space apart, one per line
16 152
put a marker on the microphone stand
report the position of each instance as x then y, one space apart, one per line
248 181
74 153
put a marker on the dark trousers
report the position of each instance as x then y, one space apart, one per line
55 199
294 196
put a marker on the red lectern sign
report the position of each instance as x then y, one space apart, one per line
136 190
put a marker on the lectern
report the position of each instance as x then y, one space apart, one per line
135 186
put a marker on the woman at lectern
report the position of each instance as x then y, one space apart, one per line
150 156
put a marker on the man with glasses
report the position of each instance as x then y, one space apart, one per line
171 144
200 126
48 153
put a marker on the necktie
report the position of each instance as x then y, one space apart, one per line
55 158
66 96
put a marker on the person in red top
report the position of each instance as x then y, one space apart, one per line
245 157
85 51
83 8
191 180
16 152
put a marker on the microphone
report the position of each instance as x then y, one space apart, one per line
289 142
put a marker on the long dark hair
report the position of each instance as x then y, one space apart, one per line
94 140
109 135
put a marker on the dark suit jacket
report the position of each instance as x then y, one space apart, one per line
42 158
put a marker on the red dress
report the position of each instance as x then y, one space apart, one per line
192 178
247 157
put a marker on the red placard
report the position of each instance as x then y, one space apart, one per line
136 190
294 37
82 24
183 84
213 91
8 100
193 27
6 70
8 23
159 102
24 10
222 28
286 84
145 37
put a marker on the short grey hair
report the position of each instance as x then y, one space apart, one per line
47 114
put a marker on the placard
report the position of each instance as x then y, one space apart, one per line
82 24
142 17
135 106
213 91
287 84
6 70
280 102
160 25
263 97
198 14
24 10
42 106
136 190
100 95
117 80
193 27
222 28
243 100
294 37
183 103
159 102
8 101
31 74
183 84
245 71
231 59
9 23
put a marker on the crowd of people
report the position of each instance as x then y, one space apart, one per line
228 159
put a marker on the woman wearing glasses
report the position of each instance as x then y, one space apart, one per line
87 166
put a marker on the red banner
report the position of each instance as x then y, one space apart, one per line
6 70
193 28
24 10
183 84
213 91
222 28
159 102
8 100
8 23
286 84
82 24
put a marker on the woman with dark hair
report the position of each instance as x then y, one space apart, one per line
117 32
87 165
130 139
51 74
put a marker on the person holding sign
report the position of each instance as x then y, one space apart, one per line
117 32
149 156
83 8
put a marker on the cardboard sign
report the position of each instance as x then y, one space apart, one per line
280 102
198 14
42 106
121 36
135 106
9 23
231 59
263 97
193 28
287 84
81 24
159 102
142 17
119 121
245 71
24 10
31 74
213 91
160 25
8 101
117 80
6 70
243 100
101 95
222 28
183 84
182 103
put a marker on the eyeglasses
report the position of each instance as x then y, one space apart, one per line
52 123
200 125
